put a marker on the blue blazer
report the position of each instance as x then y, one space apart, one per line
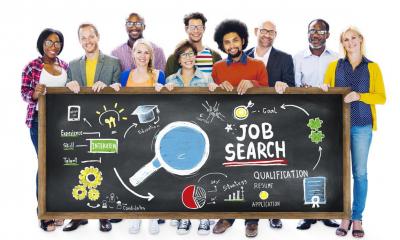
280 67
123 78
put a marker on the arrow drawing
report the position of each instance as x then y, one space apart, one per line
302 109
129 128
86 121
320 154
149 196
96 206
90 161
91 133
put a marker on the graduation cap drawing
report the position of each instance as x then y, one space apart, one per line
146 113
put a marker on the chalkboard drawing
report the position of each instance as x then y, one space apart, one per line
110 117
146 113
93 194
241 112
314 191
103 145
104 204
91 206
90 177
74 113
237 196
316 135
213 112
315 124
263 195
119 205
181 148
79 192
193 197
228 128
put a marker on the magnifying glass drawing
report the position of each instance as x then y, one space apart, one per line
181 148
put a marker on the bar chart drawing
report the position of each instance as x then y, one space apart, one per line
237 196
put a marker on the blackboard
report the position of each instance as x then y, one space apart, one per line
192 153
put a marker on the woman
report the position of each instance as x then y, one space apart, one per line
365 80
144 75
45 71
189 76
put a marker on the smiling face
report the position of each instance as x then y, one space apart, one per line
141 55
233 44
195 30
135 28
51 46
187 59
266 34
317 35
351 42
88 39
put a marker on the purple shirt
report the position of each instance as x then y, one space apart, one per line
124 54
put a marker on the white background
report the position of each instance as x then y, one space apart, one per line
22 21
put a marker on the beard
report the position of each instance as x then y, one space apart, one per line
235 55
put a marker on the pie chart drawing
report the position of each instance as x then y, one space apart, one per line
193 197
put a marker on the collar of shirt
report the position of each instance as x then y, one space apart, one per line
197 73
308 53
58 61
243 59
263 58
364 60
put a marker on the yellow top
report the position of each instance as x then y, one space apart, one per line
130 83
376 94
90 71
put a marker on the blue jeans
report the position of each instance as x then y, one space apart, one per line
35 139
360 141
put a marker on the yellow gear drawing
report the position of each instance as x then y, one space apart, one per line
90 177
93 194
79 192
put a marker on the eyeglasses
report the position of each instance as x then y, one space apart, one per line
187 55
266 31
319 32
136 24
49 43
194 27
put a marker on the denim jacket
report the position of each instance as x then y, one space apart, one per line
199 79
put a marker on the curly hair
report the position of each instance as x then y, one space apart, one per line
228 26
194 15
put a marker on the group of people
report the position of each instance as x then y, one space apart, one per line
141 63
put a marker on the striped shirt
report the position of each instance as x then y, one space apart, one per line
30 78
204 61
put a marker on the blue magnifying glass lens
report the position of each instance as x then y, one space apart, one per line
182 148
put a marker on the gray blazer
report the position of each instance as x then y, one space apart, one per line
108 70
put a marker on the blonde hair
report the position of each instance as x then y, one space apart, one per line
358 33
150 65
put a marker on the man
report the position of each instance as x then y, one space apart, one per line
195 25
94 70
310 66
279 67
135 25
240 71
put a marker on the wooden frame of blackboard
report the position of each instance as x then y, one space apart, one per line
44 214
